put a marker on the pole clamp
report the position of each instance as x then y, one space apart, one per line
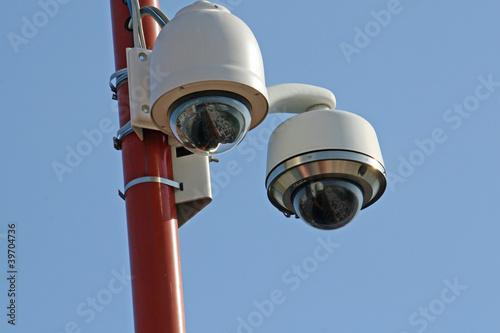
122 132
121 77
141 180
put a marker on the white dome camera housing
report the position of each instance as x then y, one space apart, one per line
207 79
324 166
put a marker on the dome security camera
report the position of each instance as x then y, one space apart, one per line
324 166
210 124
212 88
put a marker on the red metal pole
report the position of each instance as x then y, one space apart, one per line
151 215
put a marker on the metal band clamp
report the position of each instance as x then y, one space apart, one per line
122 132
121 77
141 180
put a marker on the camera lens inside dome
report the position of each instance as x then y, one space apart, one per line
210 125
328 203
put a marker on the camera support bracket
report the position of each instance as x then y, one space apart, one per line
299 98
139 87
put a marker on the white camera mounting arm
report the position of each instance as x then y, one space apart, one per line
299 98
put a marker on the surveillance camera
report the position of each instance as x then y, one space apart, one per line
207 79
328 203
210 123
324 166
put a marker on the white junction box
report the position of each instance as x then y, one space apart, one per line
193 172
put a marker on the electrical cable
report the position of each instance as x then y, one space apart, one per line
153 12
140 29
121 75
138 32
156 14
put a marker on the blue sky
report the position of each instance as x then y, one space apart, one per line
422 259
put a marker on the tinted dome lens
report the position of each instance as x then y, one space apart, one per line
210 125
328 204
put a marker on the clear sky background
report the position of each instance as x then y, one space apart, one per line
424 258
